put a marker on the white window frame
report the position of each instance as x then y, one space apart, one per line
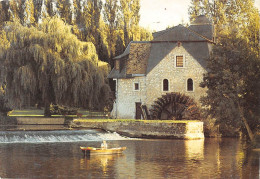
168 84
138 86
193 89
175 60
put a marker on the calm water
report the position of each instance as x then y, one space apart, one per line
57 155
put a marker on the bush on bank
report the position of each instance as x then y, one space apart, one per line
7 120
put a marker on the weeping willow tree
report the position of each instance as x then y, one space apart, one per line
48 64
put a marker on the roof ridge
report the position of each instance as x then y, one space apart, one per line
195 34
199 34
162 32
127 49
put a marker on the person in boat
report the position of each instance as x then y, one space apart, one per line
104 145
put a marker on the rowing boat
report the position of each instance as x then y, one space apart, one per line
99 151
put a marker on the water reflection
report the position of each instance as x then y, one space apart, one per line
209 158
99 161
194 149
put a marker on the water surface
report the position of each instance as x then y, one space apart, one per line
56 154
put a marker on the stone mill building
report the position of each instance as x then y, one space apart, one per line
174 61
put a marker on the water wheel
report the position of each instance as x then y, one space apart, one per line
175 106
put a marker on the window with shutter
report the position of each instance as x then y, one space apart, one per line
179 61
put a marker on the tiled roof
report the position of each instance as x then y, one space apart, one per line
142 57
177 33
203 30
117 74
138 58
138 54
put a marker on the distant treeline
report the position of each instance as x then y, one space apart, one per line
109 24
55 51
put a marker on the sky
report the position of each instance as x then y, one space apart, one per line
159 14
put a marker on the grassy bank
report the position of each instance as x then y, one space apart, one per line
132 120
40 113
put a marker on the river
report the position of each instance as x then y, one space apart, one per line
56 154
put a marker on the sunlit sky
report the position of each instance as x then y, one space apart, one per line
159 14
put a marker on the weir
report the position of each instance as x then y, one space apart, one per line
57 136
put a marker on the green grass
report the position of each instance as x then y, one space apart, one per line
85 115
27 112
40 113
132 120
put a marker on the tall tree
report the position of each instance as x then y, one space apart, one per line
232 97
53 67
27 13
41 11
52 8
130 17
234 65
110 16
14 7
68 10
194 9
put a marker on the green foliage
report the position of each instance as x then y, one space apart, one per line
232 83
4 107
53 66
107 34
111 18
230 15
233 98
46 63
7 120
62 110
130 18
27 13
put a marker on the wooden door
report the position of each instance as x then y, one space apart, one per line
138 110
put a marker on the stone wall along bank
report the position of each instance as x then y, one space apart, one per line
147 129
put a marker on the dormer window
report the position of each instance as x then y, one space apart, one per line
179 61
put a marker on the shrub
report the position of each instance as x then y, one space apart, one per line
4 108
7 120
62 110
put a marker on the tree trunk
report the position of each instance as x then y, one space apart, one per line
249 131
47 112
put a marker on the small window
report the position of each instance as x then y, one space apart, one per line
190 85
165 85
136 86
179 61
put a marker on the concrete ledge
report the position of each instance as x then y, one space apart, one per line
40 121
146 129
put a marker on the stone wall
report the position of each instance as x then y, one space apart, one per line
177 77
127 97
151 86
39 121
148 129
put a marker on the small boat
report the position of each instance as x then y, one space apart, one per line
97 151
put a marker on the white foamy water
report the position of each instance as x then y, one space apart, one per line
57 136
